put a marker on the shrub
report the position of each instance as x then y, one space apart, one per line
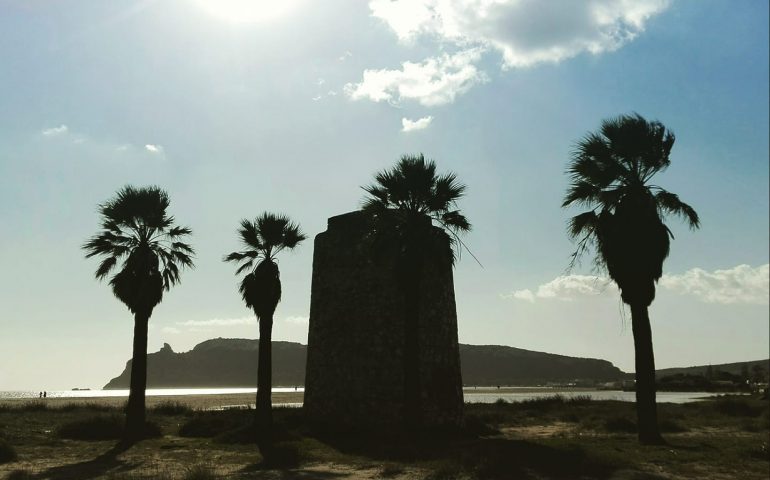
7 452
91 406
735 407
670 426
102 427
620 425
475 425
204 426
169 407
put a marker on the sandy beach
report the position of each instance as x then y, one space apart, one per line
196 402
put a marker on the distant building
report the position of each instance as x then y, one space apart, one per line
355 370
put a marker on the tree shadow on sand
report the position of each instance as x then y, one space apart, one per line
484 457
99 466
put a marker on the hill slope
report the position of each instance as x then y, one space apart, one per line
233 363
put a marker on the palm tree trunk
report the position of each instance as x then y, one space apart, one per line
264 380
412 384
646 409
135 411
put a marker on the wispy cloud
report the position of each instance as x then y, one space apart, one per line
434 81
523 33
55 131
408 125
298 319
566 287
171 330
220 322
156 149
741 284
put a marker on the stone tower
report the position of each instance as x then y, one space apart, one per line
355 371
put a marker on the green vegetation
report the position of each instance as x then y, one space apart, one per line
137 231
550 438
610 173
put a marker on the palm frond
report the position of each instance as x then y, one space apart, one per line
669 203
584 224
136 227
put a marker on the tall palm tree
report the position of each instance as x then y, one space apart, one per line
403 205
137 231
610 173
263 239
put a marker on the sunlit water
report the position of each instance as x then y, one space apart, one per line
511 395
471 395
151 392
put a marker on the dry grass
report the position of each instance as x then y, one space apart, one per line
553 438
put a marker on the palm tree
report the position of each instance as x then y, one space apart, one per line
137 231
610 173
403 205
263 239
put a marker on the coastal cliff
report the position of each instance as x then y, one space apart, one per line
232 362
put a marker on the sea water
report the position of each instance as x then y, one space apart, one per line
471 394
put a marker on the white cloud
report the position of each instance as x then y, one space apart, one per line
171 330
55 131
345 56
220 322
317 97
566 287
524 32
156 149
435 81
741 284
408 125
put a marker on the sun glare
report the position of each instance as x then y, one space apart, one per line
248 11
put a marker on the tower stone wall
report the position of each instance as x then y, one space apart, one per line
355 371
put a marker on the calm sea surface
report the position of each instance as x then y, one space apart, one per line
480 395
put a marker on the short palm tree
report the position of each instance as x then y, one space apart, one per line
405 205
263 239
137 231
610 173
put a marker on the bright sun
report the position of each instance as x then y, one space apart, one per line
248 11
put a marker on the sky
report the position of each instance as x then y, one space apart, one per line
238 107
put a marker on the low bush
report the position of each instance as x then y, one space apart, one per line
7 452
619 425
171 408
87 406
102 427
736 407
205 426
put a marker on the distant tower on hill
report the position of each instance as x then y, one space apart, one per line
355 370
